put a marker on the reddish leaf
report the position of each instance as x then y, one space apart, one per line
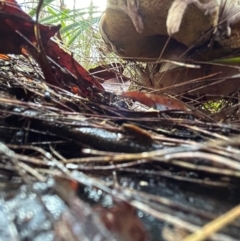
4 57
82 222
81 78
75 90
14 20
158 102
122 220
17 33
12 7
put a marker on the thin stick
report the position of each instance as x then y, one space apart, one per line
215 225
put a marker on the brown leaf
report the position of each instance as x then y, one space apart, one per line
158 102
14 20
4 57
122 220
17 36
81 222
78 76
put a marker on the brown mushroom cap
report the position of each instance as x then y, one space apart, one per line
196 30
121 37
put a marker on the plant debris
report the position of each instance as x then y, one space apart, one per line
78 162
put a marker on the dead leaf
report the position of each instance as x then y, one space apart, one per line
159 102
122 220
81 222
14 20
17 36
